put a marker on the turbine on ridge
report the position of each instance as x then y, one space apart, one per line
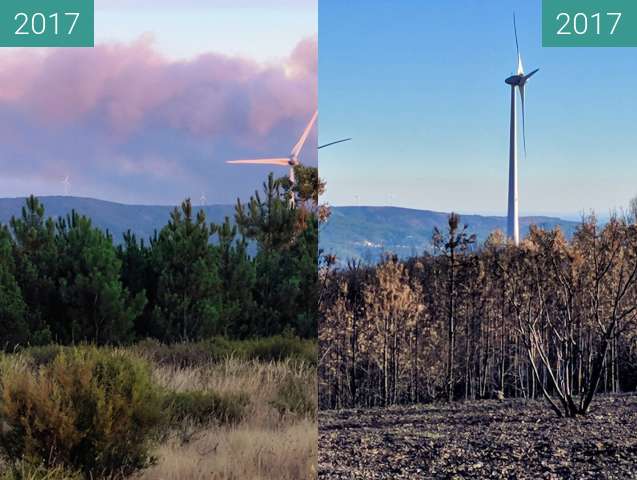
67 185
518 80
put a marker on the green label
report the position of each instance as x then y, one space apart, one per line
47 23
589 23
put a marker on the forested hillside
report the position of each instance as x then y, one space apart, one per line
66 281
116 218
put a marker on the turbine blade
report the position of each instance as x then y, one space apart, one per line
334 143
515 31
299 146
263 161
531 74
523 118
517 48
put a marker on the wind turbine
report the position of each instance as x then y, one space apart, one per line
518 80
67 185
292 160
203 199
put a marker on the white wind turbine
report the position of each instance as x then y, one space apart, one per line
67 185
290 161
518 80
203 199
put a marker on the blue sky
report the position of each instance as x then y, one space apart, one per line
420 87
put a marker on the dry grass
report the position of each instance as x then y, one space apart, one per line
242 453
264 446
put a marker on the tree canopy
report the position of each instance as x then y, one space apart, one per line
66 281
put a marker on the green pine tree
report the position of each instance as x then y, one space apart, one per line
188 300
237 275
14 329
95 307
35 256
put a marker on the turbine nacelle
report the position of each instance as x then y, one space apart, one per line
514 80
520 80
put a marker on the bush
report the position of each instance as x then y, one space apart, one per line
282 347
206 407
275 348
186 354
294 396
88 409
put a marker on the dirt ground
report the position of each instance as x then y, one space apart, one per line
486 439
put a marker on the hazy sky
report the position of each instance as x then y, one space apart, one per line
420 87
264 30
171 91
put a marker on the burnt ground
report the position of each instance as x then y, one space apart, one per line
486 439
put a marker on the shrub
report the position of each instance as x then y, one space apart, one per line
88 409
186 354
282 347
206 407
277 348
294 396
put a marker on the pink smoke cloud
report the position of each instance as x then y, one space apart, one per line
128 84
126 108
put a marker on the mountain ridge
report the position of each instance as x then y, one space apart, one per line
352 232
370 231
115 217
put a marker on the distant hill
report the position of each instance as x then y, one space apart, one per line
365 232
351 233
117 218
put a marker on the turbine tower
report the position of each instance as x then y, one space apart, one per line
518 80
292 160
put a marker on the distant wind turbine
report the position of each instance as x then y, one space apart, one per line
518 80
67 185
292 160
203 199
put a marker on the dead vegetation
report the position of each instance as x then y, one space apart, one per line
553 318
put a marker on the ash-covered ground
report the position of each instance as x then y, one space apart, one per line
485 439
